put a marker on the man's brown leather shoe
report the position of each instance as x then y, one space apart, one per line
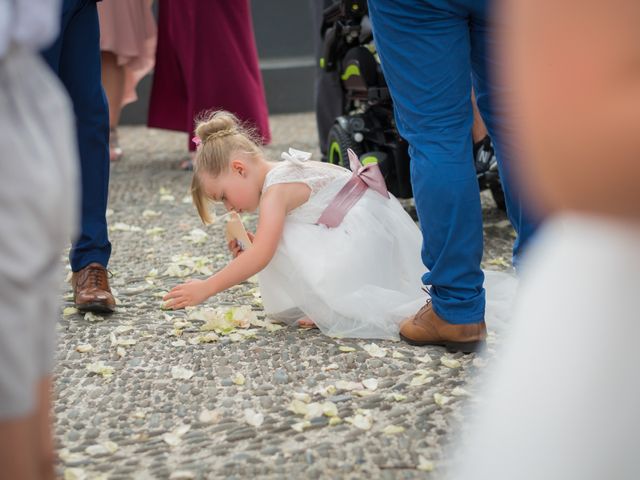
427 328
91 292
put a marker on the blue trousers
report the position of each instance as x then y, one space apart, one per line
432 52
75 57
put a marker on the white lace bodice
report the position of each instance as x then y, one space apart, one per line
324 180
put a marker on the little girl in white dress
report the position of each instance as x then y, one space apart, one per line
331 246
358 279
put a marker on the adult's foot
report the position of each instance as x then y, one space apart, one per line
427 328
91 291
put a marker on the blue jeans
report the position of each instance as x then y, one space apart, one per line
432 52
75 58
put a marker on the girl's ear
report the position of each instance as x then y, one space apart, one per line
238 166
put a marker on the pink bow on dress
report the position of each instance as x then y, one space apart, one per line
367 176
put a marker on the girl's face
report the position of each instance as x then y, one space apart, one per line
235 188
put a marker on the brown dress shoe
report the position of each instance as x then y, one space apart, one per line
427 328
91 292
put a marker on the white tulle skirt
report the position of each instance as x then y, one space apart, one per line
360 279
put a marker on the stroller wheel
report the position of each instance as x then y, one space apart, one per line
338 142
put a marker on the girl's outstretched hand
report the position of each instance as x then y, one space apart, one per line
188 294
235 247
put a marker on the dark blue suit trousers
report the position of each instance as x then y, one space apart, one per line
75 57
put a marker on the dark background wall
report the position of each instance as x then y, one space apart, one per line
284 39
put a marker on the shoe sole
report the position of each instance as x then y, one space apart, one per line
452 347
95 308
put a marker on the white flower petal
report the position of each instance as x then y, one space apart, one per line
101 369
182 475
92 317
425 359
363 422
298 407
209 416
171 439
392 429
424 464
370 384
181 373
450 362
74 474
253 418
420 380
300 426
303 397
348 386
151 213
397 397
440 399
239 379
460 392
330 409
69 311
374 350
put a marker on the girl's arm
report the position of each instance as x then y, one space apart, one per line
273 210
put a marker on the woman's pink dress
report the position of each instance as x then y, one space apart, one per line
206 60
128 30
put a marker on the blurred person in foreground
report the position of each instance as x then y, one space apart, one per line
562 401
38 209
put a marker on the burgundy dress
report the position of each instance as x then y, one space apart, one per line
206 60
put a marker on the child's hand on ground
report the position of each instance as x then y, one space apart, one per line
188 294
235 247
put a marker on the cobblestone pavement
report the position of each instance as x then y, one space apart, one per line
357 414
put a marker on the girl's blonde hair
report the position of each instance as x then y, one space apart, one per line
219 134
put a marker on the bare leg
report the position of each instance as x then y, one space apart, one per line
18 451
113 83
43 432
306 322
26 444
478 129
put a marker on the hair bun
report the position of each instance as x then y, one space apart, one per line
216 125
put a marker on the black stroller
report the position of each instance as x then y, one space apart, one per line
367 124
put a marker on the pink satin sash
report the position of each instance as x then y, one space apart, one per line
368 176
